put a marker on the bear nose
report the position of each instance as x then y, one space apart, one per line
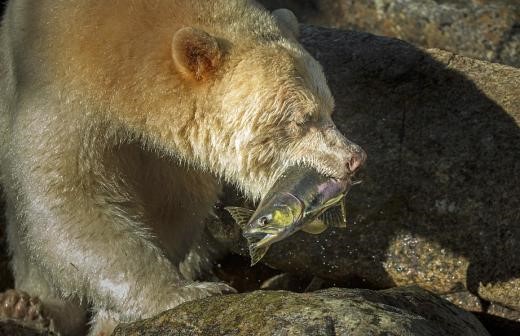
356 160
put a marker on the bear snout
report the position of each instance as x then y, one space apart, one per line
357 158
330 152
348 154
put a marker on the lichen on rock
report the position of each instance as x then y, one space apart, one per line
404 311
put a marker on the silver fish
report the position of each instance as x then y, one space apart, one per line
301 199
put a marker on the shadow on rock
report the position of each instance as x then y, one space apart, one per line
444 156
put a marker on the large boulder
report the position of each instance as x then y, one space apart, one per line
405 311
488 30
439 205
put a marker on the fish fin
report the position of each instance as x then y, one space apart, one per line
317 226
240 215
335 216
257 252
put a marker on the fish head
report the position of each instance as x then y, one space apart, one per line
274 219
276 214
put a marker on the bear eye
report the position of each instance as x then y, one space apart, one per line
302 119
310 118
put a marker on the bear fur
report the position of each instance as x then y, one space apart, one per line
118 119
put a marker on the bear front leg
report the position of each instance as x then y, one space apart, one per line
98 253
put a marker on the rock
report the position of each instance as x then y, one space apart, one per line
290 282
498 319
6 279
439 203
488 30
235 271
14 328
400 311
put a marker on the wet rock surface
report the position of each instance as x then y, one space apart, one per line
488 30
405 311
439 205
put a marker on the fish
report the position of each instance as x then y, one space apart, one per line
301 199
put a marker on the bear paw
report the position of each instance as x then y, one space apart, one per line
18 305
200 290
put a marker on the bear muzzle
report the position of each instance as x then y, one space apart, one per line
357 157
347 154
329 152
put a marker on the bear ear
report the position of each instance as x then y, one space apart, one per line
196 54
287 21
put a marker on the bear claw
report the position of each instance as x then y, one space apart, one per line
18 305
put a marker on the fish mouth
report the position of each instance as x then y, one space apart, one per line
255 236
259 243
263 236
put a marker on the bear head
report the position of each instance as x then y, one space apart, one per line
266 103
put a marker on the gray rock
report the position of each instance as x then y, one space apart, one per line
440 198
6 279
488 30
472 302
400 311
15 328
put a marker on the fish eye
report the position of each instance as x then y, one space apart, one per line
263 220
